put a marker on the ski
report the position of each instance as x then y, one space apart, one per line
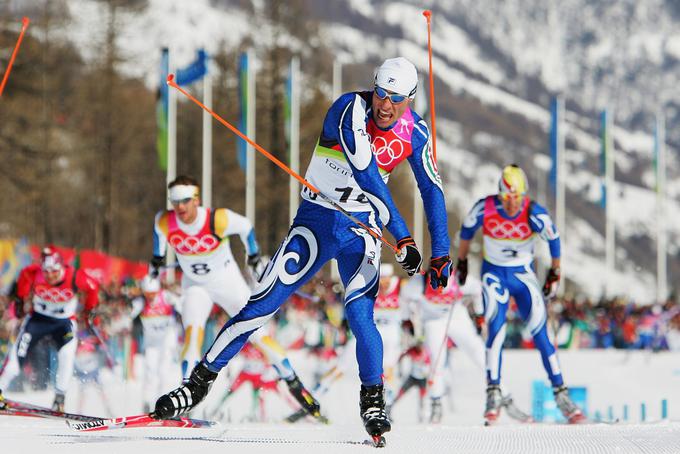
302 413
145 420
296 416
13 408
514 411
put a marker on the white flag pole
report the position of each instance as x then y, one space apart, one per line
336 91
172 162
560 195
206 183
661 232
294 186
250 151
610 230
337 80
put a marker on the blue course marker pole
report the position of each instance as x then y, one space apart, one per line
664 408
610 412
625 412
643 412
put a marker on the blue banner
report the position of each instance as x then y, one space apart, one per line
162 112
195 71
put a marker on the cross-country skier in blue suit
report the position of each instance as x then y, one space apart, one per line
511 222
365 136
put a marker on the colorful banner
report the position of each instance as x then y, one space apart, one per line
18 254
162 112
96 264
241 145
195 71
108 269
14 256
69 255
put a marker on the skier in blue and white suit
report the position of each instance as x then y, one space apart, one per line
510 222
365 136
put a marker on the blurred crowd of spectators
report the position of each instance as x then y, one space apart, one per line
313 318
608 323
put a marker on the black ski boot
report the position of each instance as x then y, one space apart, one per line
304 397
58 403
373 414
187 396
436 410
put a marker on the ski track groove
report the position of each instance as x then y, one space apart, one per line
662 438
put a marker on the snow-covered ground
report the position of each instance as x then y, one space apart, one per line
612 378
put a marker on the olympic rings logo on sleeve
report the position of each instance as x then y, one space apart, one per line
386 153
508 230
189 245
54 295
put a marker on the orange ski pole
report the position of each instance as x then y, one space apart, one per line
25 21
428 15
275 160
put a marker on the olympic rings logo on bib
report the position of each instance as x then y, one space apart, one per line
189 245
508 230
386 153
54 295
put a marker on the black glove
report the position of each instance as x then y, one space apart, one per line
19 306
552 281
408 256
479 323
440 270
462 271
407 326
155 265
257 265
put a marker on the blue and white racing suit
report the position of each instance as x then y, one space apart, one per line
351 164
507 271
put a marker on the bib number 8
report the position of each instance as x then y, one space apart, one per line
200 269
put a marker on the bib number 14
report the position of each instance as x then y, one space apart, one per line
345 195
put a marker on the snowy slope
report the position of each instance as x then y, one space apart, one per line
613 378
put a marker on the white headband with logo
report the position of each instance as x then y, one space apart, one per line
182 192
